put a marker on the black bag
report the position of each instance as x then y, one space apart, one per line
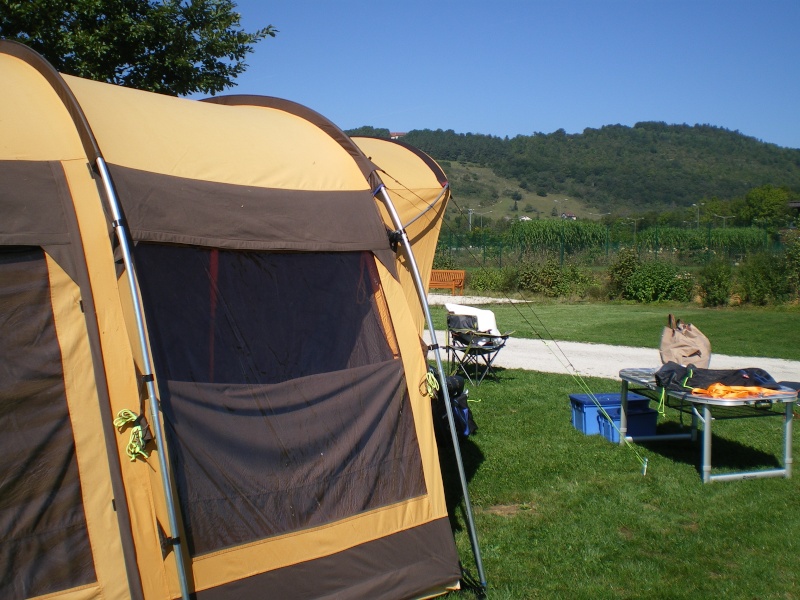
677 377
455 385
462 415
459 407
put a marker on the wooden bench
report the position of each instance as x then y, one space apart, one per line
448 279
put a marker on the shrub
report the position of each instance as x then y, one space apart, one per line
580 280
624 265
442 260
541 279
763 279
792 258
550 280
716 282
492 280
526 276
657 280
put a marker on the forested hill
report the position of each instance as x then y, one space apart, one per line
648 166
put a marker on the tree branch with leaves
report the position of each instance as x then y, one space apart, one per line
171 47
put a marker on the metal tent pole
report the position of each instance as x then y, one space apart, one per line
149 373
473 534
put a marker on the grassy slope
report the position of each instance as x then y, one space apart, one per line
473 187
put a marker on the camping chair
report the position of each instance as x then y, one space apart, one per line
473 340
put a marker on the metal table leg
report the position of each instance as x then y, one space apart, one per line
623 413
786 471
706 458
787 439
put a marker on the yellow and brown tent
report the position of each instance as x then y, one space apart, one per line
420 192
211 382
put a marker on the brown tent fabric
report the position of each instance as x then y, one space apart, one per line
287 363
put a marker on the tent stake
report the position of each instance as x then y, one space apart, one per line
166 479
473 534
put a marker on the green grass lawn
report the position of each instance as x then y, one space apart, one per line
770 332
564 515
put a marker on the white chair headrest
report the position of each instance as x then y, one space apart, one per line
486 320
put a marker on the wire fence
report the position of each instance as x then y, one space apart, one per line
596 244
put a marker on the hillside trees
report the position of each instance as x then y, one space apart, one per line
172 47
368 131
449 145
651 166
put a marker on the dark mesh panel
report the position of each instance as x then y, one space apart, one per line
256 317
44 546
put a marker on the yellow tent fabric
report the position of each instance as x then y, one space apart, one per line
420 192
287 363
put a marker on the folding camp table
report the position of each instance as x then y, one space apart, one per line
706 409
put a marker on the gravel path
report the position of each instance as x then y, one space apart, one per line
600 360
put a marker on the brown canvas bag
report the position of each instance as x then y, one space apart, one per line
685 344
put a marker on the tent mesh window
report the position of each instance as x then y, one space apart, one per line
44 544
285 405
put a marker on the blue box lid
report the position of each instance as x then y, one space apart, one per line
605 399
636 411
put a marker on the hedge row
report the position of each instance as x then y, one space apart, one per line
762 278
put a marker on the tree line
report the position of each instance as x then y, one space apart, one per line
651 166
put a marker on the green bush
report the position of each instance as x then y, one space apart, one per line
541 279
763 279
624 265
657 280
550 280
526 276
716 282
444 261
580 280
792 258
492 280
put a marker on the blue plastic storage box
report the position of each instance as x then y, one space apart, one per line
585 411
641 421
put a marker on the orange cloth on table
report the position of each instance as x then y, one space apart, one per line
735 392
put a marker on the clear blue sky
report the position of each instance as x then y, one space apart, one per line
515 67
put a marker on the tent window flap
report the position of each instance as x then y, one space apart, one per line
258 461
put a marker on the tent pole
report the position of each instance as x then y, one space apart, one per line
149 374
473 534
